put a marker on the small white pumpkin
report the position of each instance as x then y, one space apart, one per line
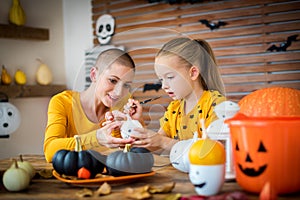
179 154
27 166
127 128
15 178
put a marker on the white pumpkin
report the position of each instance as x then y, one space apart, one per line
15 178
127 128
27 166
179 154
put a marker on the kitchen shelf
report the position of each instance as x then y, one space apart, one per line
20 91
11 31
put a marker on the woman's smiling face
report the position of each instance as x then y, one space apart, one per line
113 84
175 78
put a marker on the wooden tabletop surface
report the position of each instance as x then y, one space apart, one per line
165 174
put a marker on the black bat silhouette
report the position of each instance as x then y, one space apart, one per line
212 25
284 45
152 86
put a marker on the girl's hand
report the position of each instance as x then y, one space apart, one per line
154 141
105 138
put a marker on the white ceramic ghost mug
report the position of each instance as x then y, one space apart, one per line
207 166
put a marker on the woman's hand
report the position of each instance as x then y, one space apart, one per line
114 115
105 138
134 109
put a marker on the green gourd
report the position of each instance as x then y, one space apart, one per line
15 178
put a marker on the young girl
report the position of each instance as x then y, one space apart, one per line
189 75
82 113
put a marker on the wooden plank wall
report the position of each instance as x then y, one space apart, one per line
240 46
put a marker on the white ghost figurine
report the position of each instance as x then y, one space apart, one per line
127 128
105 27
207 179
224 110
179 154
10 118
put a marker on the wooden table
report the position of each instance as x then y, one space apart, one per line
51 188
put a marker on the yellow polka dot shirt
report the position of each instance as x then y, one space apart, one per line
181 126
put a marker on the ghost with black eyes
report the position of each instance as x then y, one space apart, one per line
105 27
9 118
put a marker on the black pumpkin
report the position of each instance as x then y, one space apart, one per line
69 162
134 160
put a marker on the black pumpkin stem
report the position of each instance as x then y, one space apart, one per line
21 158
127 148
77 143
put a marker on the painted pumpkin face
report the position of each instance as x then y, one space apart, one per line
266 149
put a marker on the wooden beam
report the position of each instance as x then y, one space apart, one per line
23 32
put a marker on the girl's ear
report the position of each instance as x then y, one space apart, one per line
194 72
93 74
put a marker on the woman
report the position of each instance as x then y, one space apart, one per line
83 113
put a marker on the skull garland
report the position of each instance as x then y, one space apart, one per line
105 27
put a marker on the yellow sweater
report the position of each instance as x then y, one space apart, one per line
181 126
66 118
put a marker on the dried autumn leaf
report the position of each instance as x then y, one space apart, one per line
165 188
45 173
104 189
84 193
173 196
137 193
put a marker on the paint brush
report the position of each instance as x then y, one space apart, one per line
146 101
149 100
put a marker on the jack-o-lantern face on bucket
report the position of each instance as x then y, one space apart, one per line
249 167
266 149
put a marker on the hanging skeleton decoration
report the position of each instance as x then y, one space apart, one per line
105 28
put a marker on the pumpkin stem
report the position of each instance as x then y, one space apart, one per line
127 148
77 143
15 163
21 158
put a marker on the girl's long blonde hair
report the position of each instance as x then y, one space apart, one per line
196 53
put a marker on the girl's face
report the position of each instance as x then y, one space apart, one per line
175 78
113 84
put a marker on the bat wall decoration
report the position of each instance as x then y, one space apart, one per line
284 45
152 86
212 25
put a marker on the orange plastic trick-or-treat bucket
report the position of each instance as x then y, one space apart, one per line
266 150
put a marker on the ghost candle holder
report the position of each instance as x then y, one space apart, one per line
207 165
10 118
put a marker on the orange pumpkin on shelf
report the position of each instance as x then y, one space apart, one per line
271 102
